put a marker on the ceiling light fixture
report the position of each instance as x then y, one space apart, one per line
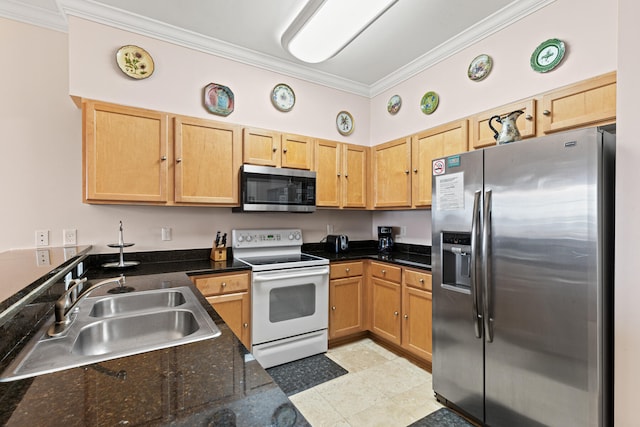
325 27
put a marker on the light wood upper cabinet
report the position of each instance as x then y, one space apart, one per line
125 154
391 174
589 103
341 174
328 167
297 151
482 135
442 141
207 159
270 148
261 147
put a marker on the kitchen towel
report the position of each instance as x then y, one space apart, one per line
299 375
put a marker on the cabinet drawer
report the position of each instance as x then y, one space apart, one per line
386 272
346 269
417 279
222 284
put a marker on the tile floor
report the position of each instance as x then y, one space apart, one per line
381 389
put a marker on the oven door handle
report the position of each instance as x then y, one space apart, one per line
262 277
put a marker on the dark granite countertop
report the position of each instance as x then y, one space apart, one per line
211 382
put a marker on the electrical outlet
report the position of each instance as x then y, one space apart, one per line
42 237
69 237
42 257
329 228
166 233
403 230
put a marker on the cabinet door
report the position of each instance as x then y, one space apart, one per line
592 102
416 327
435 143
207 159
482 135
345 307
297 152
261 147
235 310
328 173
385 313
391 177
125 154
354 188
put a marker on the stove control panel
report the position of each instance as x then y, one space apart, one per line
261 238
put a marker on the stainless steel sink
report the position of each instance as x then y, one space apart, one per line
115 326
122 304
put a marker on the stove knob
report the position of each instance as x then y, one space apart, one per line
249 238
240 238
297 236
291 236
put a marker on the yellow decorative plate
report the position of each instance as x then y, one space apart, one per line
135 62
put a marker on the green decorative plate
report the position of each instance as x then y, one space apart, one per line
429 102
547 55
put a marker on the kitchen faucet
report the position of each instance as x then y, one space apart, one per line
70 299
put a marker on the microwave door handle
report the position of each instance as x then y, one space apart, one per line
486 267
475 279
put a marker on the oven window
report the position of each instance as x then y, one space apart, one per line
292 302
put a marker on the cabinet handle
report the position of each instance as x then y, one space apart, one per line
224 284
347 269
346 175
275 149
163 158
384 272
407 171
333 307
245 325
284 150
395 313
338 174
178 160
546 112
415 171
421 280
528 117
406 316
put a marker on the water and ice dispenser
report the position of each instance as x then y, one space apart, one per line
456 260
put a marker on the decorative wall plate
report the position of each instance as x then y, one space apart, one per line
547 55
218 99
282 97
480 67
394 104
344 122
135 62
429 102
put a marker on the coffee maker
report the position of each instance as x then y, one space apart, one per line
385 241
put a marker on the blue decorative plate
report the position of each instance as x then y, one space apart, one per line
218 99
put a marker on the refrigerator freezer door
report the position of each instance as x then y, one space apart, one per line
541 368
457 353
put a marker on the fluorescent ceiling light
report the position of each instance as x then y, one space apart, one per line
324 27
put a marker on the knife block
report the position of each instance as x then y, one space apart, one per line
219 254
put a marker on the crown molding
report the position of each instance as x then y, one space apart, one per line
113 17
18 11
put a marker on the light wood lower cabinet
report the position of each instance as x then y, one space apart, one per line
230 295
417 302
346 288
386 299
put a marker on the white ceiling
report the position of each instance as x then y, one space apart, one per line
410 37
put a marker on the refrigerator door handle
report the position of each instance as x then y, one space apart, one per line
475 238
486 256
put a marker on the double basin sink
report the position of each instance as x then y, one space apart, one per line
108 327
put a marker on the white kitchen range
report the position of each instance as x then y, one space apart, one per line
289 295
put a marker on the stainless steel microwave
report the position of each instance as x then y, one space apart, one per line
270 189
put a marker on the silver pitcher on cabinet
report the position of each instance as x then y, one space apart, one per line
509 131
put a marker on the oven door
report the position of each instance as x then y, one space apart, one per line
289 302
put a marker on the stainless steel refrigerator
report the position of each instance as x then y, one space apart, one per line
522 263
